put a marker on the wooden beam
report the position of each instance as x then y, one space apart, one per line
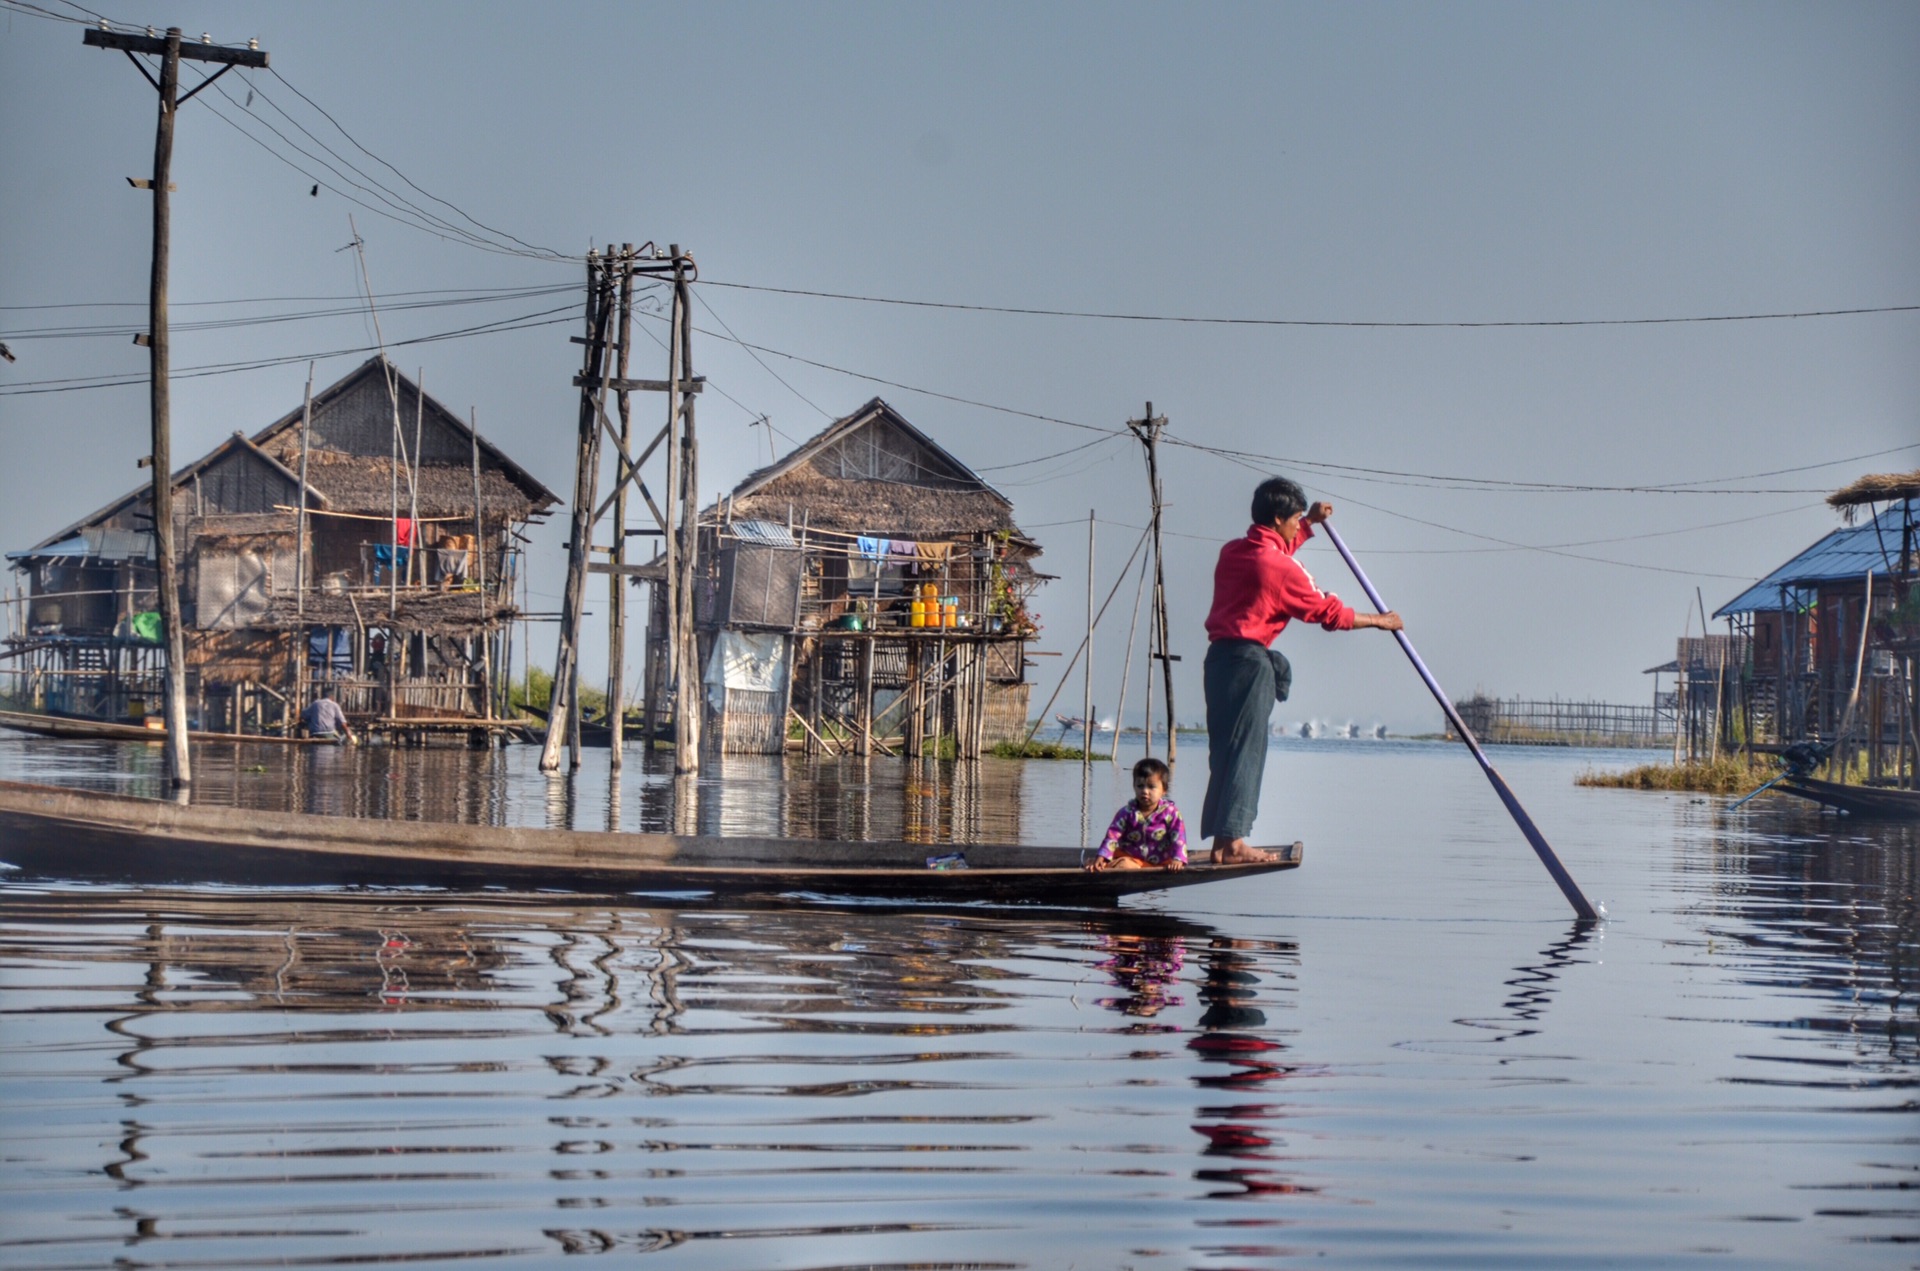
256 58
646 573
696 385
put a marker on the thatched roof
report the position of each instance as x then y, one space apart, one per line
873 472
1884 488
352 427
349 468
357 481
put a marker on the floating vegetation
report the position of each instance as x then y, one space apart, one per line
1037 750
1730 774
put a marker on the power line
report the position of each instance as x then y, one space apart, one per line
80 383
1315 322
272 319
1426 480
383 298
543 252
756 357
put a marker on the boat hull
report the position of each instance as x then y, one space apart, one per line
105 730
1877 802
55 832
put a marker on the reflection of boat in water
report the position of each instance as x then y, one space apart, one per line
1878 802
59 832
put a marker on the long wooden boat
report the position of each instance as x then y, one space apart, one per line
105 730
1878 802
53 831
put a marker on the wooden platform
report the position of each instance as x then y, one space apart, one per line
52 831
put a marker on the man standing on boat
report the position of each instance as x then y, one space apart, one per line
324 720
1258 587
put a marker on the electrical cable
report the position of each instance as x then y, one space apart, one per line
80 383
1318 322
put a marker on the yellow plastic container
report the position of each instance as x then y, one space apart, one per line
919 618
950 615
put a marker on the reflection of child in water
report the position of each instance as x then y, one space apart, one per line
1147 833
1146 967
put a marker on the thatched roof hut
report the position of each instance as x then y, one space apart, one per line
873 472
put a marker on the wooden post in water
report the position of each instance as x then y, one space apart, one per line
479 566
617 578
687 688
300 530
1086 674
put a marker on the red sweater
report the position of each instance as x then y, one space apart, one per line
1258 587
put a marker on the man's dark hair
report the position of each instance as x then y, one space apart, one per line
326 690
1151 767
1276 499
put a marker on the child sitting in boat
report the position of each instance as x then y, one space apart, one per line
1147 833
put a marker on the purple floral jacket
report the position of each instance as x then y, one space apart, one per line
1155 837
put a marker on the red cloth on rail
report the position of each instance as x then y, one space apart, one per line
1258 587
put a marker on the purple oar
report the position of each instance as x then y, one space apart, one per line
1568 887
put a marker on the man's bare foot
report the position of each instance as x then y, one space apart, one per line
1238 852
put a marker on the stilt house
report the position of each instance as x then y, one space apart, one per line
1828 641
868 591
369 546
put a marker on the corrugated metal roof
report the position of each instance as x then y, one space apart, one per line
94 544
1848 552
763 532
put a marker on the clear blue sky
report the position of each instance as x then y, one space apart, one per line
1476 162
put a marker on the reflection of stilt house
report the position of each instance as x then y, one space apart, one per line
404 615
1802 651
872 589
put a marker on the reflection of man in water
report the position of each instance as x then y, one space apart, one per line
324 720
1235 1131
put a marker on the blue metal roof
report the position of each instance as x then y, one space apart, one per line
1848 552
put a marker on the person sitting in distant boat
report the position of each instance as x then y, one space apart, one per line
323 719
1147 833
1258 588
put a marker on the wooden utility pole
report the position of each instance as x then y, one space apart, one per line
617 582
686 687
170 51
564 704
1148 430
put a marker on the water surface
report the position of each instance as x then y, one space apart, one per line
1404 1053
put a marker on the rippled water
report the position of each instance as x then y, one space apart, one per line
1403 1053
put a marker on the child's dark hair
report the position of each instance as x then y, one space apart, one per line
1151 767
1276 499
